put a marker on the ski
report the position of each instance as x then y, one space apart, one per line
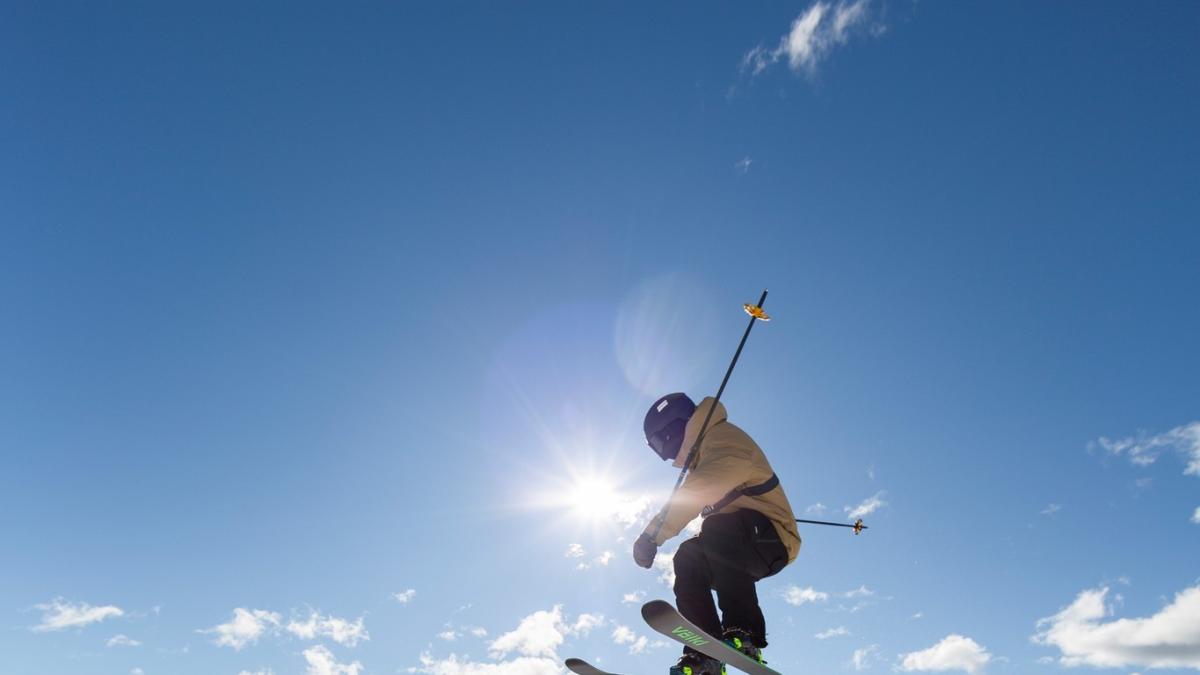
664 618
584 668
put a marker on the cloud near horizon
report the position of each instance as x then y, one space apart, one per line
954 652
1167 639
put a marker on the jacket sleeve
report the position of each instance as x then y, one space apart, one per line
714 476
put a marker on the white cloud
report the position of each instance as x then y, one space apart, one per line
813 36
405 597
623 635
59 614
523 665
605 558
664 562
954 652
536 640
448 635
321 662
264 671
246 627
575 551
794 595
636 597
538 635
743 165
916 616
1144 450
816 509
832 632
862 658
586 622
136 671
1196 516
339 630
479 631
122 641
867 507
1167 639
1051 509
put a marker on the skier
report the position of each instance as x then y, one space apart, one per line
749 532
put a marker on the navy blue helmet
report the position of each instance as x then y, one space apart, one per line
665 423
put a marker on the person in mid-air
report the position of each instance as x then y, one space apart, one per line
748 533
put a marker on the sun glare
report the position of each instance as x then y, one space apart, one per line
594 498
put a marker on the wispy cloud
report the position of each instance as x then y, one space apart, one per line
1051 509
867 506
404 597
814 35
832 632
862 658
59 614
122 641
860 592
635 597
794 595
1167 639
1196 516
954 652
339 630
743 165
605 558
321 662
1144 449
245 628
575 551
816 509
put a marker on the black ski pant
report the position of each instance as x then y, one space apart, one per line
731 553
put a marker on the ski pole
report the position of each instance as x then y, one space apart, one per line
756 314
858 524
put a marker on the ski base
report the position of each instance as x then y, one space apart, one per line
584 668
664 618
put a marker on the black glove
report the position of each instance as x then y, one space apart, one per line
644 550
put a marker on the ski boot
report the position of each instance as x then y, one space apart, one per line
742 641
694 663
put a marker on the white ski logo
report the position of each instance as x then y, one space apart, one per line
688 636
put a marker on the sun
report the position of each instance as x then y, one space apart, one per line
593 498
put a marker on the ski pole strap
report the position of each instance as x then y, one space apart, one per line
748 491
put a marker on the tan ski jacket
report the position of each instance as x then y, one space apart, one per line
727 459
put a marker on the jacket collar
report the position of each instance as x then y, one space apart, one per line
693 427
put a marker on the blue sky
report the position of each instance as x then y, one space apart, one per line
328 330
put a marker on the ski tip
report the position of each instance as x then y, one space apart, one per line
574 662
655 607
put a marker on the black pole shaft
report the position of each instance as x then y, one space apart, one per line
822 522
687 465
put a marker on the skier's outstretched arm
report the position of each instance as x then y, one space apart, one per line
712 479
